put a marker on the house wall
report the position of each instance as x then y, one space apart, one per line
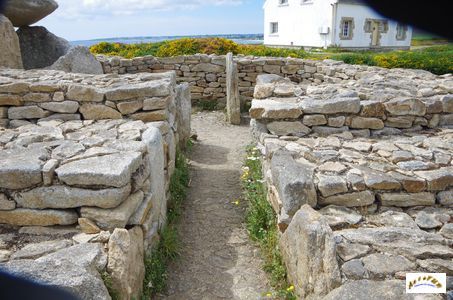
362 39
299 23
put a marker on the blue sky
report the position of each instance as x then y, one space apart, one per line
91 19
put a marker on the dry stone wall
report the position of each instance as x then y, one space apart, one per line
356 213
47 95
85 167
206 74
360 174
380 102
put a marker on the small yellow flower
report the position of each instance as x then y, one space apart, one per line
236 202
290 289
269 295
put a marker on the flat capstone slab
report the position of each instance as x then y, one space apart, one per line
113 170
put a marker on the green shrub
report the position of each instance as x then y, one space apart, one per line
260 50
189 46
436 59
355 58
126 50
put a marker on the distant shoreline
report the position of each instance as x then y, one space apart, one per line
253 39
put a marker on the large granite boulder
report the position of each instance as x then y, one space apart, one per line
9 46
27 12
78 60
40 48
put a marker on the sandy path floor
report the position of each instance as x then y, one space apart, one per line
218 261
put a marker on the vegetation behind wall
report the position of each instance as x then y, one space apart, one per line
436 59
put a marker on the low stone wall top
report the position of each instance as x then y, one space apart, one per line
376 103
48 95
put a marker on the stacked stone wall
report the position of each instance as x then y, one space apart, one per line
206 74
85 167
376 104
48 95
360 175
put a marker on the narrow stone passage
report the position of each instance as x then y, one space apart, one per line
218 261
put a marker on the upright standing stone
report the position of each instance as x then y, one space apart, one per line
125 262
308 249
183 113
9 46
233 100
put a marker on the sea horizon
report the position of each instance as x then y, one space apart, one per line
252 38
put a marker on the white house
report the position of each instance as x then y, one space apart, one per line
323 23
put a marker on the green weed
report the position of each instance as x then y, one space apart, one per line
207 105
108 282
169 246
262 225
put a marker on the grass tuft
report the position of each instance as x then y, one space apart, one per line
169 246
108 282
207 105
262 225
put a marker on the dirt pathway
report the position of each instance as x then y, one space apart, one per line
217 259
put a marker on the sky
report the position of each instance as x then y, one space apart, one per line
92 19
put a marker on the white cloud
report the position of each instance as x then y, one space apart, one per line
86 8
